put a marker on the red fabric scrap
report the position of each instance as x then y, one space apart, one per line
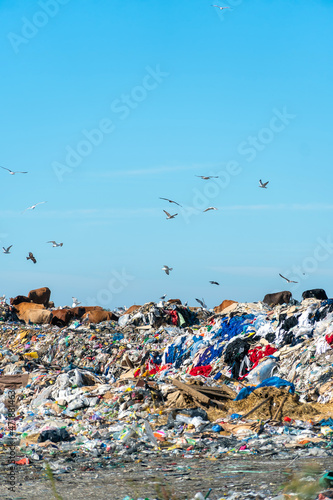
201 370
256 354
329 338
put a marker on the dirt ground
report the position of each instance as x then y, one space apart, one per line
182 477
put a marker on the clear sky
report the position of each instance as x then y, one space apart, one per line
111 104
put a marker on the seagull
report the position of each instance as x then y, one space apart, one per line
170 201
13 173
288 280
6 250
167 269
75 302
263 184
54 244
169 216
206 178
214 283
210 208
163 296
34 206
185 305
221 8
202 303
31 257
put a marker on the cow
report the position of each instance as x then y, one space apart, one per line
316 293
40 295
97 316
37 316
273 299
224 305
79 311
22 308
131 309
61 317
18 299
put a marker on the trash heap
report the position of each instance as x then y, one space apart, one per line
172 380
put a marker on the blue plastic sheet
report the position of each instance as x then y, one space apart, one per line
269 382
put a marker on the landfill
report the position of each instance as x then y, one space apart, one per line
172 381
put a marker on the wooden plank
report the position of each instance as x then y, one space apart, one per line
188 389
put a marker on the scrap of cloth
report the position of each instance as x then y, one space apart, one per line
13 381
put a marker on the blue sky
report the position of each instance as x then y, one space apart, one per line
111 104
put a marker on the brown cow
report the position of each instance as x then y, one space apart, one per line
18 299
40 295
273 299
22 308
61 317
224 305
81 310
131 309
37 316
98 316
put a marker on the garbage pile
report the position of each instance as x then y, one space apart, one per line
172 380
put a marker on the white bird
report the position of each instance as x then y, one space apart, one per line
6 250
202 303
170 201
34 206
3 299
54 244
169 216
13 173
206 178
163 296
263 184
288 280
210 208
221 8
75 302
167 269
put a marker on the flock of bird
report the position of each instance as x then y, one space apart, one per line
30 255
169 216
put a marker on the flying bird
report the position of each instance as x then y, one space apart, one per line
202 303
206 178
170 201
214 283
221 8
163 296
13 173
167 269
210 208
54 244
6 250
34 206
31 257
288 280
169 216
263 184
75 302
